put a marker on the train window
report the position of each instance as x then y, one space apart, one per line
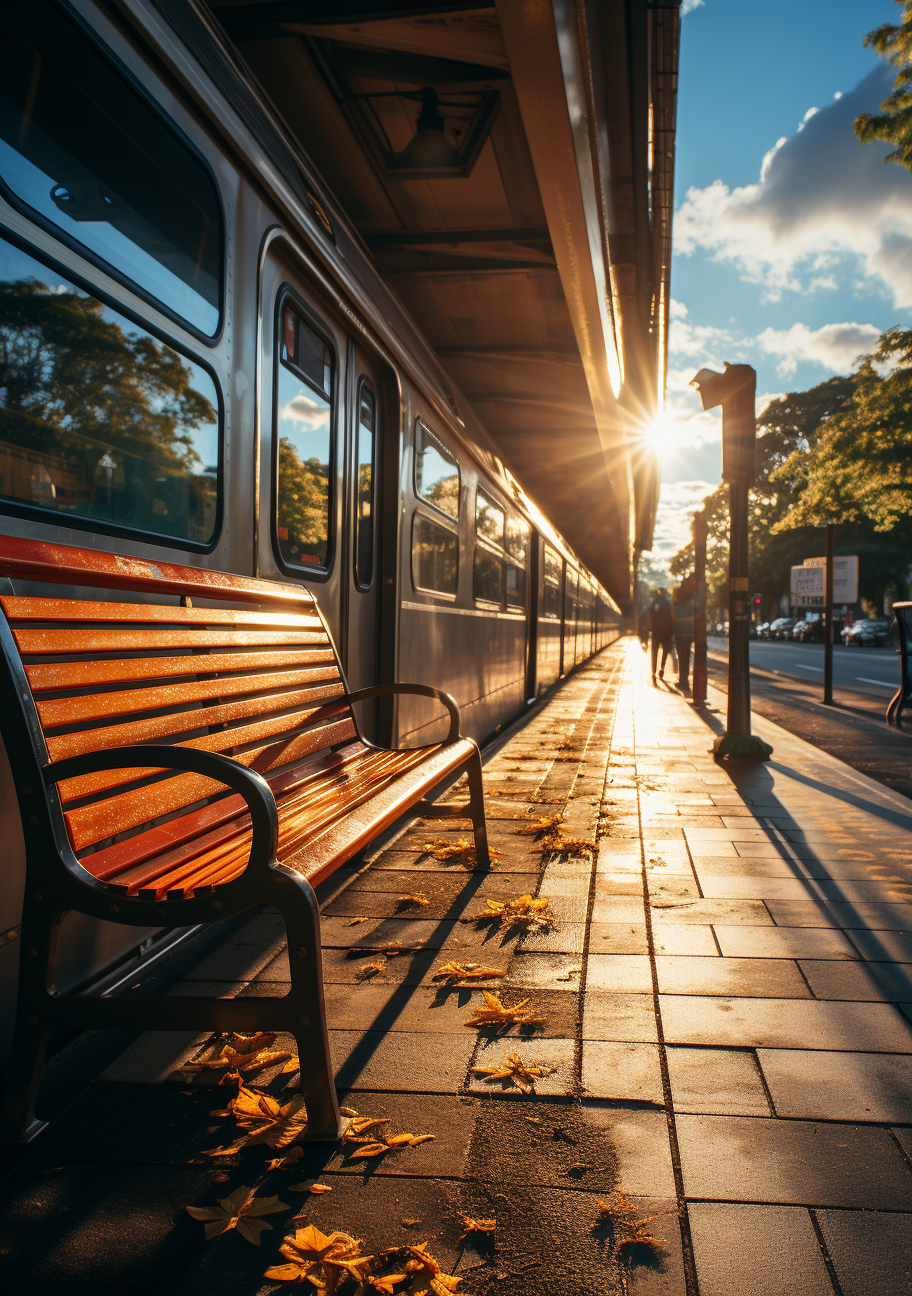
488 575
364 467
436 472
552 585
490 519
85 151
517 538
304 436
516 586
98 418
435 556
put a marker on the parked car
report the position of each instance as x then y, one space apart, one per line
780 628
797 630
763 630
874 632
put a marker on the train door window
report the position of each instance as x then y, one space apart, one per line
552 585
515 586
488 575
436 472
100 421
518 531
364 487
304 440
87 153
435 556
490 519
490 533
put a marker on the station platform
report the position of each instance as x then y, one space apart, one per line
720 1019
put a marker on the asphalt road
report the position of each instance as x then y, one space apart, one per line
787 688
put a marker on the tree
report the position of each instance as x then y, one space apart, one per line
894 124
303 503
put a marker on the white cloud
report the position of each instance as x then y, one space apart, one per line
677 504
688 6
311 414
697 340
823 204
834 346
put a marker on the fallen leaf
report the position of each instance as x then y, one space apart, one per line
241 1211
367 1150
309 1188
320 1259
471 1225
496 1013
461 849
243 1054
410 1223
388 1283
353 922
262 1120
515 1071
409 901
540 826
525 911
361 1123
468 971
368 970
421 1138
391 949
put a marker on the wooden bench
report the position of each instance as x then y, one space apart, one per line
178 764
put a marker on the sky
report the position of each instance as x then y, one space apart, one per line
792 242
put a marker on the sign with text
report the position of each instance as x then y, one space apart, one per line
808 581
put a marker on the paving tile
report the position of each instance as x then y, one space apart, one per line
752 913
723 1082
883 946
760 978
874 982
621 1071
784 942
618 909
752 1159
871 1253
559 1054
838 1086
563 938
697 940
773 1248
545 971
617 884
618 938
755 888
831 913
401 1061
784 1023
625 1017
619 973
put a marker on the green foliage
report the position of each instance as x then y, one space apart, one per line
894 124
860 463
303 503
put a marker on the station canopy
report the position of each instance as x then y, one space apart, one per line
509 168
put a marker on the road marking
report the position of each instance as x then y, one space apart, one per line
883 683
801 666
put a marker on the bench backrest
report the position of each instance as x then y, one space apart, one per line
245 682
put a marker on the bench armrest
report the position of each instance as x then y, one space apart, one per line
343 702
222 769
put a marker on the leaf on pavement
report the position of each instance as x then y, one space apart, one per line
263 1120
244 1054
524 911
472 1225
468 971
368 970
515 1071
240 1210
410 901
320 1259
497 1014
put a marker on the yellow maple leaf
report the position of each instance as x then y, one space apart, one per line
263 1120
388 1282
515 1071
496 1013
468 971
320 1259
239 1054
240 1210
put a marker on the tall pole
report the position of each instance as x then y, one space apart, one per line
735 390
699 667
828 617
738 724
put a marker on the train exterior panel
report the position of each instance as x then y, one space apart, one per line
266 408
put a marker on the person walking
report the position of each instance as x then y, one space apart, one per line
661 626
683 616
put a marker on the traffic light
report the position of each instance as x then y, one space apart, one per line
734 390
757 601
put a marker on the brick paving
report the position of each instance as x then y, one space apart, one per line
727 994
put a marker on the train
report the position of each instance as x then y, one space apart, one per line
202 366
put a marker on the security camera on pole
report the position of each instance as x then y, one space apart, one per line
735 391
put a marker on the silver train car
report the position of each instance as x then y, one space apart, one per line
200 362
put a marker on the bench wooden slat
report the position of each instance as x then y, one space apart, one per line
157 727
97 706
74 611
32 642
47 676
102 819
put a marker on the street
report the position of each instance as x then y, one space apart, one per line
787 687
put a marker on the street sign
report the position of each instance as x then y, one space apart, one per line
807 587
845 576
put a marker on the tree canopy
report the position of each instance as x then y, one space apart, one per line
893 125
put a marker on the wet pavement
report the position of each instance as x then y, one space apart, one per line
723 1024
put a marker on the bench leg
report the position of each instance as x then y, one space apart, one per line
306 1008
30 1039
477 811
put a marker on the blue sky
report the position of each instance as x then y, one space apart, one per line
792 242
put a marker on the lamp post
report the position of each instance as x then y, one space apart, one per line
700 526
735 391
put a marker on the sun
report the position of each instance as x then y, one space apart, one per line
661 434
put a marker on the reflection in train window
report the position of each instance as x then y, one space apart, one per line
487 580
304 436
517 538
436 472
364 488
516 586
98 418
86 152
435 556
489 519
551 593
